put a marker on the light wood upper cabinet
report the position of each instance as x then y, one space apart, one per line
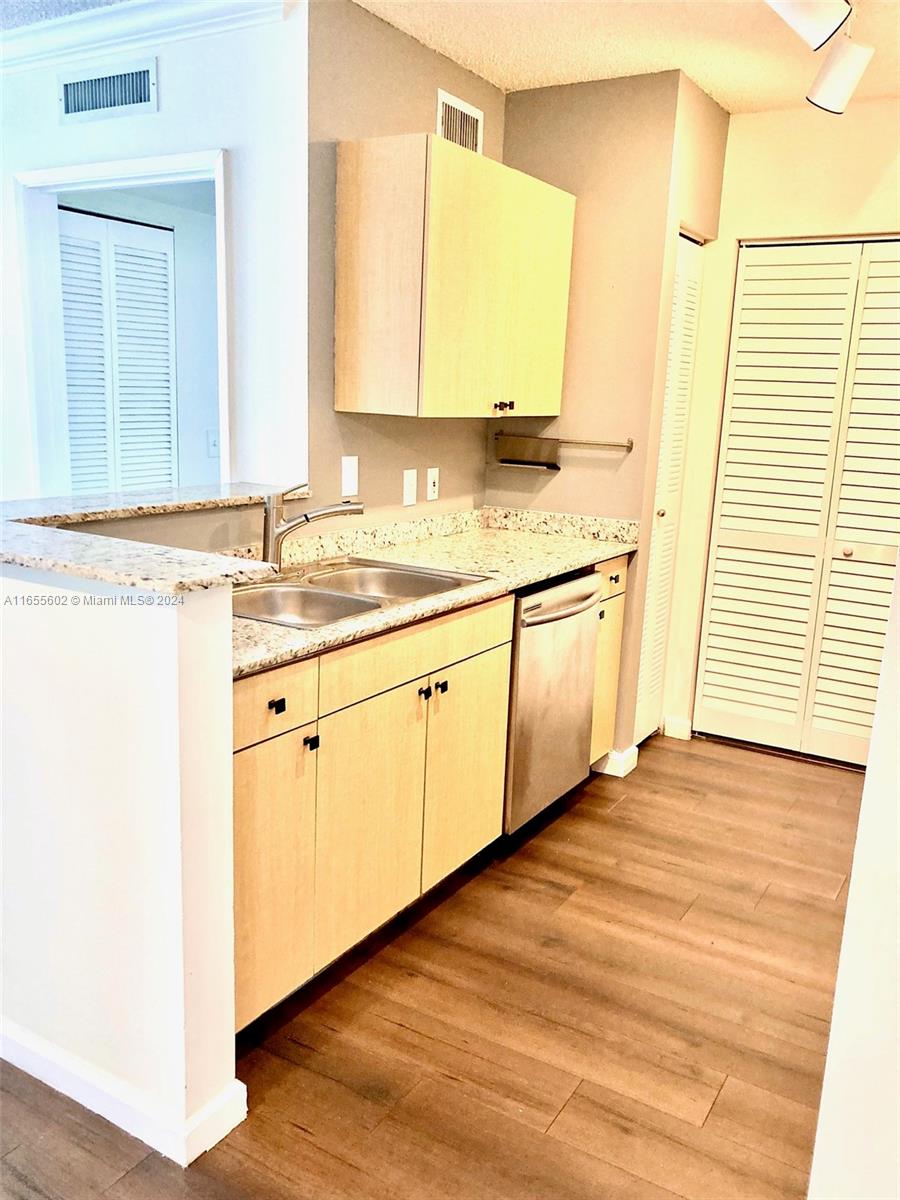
369 816
452 282
274 846
465 764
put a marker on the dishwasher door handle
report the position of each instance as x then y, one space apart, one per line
540 618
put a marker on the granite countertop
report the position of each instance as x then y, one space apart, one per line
29 537
510 558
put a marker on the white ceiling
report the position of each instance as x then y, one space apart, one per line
738 51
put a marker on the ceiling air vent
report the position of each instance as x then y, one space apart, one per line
95 95
459 122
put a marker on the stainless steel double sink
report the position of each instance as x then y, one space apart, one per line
323 592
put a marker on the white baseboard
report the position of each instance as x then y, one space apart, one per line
177 1138
677 727
619 762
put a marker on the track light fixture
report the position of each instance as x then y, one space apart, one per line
813 20
840 73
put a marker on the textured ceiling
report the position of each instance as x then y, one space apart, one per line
26 12
739 51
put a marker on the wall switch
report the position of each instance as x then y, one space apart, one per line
410 486
433 483
212 443
349 476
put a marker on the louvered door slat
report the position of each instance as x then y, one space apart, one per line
669 479
787 366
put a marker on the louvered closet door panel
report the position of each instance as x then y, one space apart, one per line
144 354
864 527
787 367
87 352
667 496
849 649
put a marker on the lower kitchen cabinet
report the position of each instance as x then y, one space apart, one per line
369 816
465 764
274 872
606 675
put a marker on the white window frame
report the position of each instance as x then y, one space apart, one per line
36 206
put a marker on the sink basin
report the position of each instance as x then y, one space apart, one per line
297 606
387 582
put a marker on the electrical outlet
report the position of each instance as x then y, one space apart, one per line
349 476
212 443
433 483
410 486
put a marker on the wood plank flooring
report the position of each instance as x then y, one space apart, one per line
632 1003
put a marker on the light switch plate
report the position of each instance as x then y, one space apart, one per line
349 476
410 486
433 483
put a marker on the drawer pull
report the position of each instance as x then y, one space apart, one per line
512 405
312 742
502 406
847 552
278 706
601 614
613 579
442 687
425 693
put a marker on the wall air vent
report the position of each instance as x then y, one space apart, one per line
97 94
459 122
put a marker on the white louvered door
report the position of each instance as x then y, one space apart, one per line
787 367
119 329
864 524
667 496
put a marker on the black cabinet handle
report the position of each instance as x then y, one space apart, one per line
502 406
601 614
312 742
613 579
278 705
442 687
512 405
425 693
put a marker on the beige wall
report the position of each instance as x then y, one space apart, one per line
366 79
799 173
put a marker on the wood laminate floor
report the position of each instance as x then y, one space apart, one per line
633 1003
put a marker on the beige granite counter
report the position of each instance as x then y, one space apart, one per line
511 559
30 537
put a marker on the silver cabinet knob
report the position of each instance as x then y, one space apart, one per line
660 512
848 552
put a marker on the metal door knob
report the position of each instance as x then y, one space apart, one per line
848 552
660 512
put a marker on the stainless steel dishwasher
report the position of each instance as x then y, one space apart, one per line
554 653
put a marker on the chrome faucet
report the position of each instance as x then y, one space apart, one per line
276 529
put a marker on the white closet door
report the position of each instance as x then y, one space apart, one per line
143 290
119 331
669 479
86 333
864 525
787 367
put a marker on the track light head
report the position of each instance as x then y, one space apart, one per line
839 75
813 20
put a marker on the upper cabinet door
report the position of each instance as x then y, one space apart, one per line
465 325
451 282
536 233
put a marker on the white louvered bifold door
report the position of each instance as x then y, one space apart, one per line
787 366
86 332
669 480
864 524
119 328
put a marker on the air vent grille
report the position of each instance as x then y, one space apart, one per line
93 96
460 122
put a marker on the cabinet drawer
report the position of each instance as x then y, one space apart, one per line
615 574
357 672
275 701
